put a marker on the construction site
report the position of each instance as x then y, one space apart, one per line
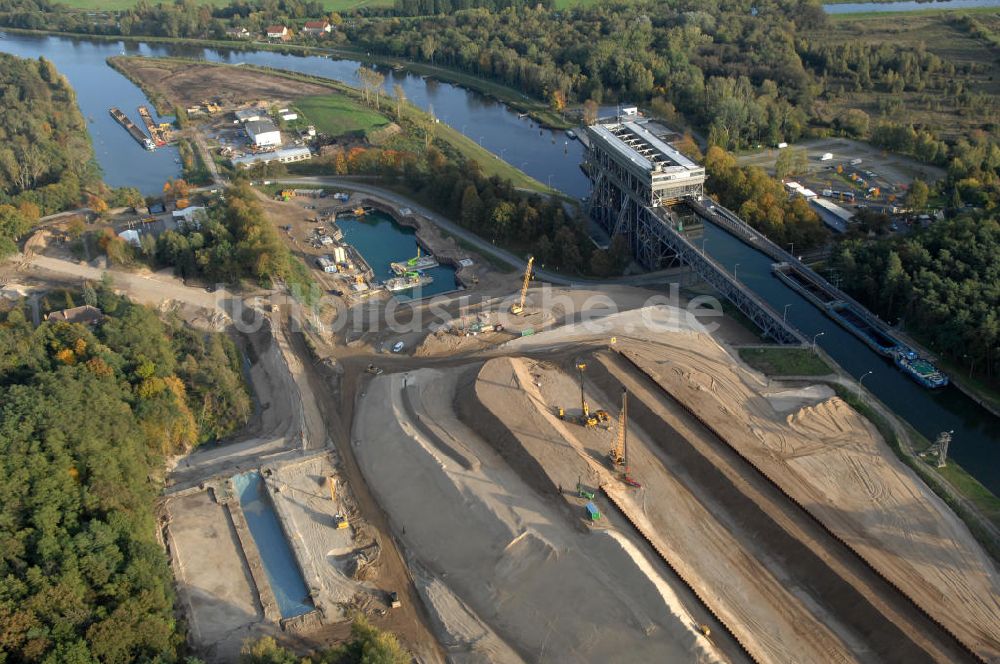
584 475
542 473
573 500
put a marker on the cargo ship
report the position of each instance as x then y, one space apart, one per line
153 129
418 262
861 323
407 281
919 369
132 129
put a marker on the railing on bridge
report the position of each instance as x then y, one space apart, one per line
767 319
727 220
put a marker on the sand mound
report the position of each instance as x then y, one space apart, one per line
526 553
833 462
514 567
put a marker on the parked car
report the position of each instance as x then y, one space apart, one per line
398 346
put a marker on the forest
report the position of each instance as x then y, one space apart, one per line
943 283
87 416
744 73
762 202
234 242
46 160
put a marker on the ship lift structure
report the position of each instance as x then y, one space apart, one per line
637 182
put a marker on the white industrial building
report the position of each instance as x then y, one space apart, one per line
831 214
263 133
189 216
324 263
131 236
249 115
283 156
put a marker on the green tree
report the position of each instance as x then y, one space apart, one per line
917 197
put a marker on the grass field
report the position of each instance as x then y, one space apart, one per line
337 115
785 361
939 34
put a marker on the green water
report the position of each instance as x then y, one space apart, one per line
382 241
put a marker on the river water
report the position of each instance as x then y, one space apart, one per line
905 6
546 155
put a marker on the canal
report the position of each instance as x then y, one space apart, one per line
549 157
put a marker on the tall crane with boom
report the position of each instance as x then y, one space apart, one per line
587 418
619 453
518 307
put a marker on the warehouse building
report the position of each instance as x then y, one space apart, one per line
263 133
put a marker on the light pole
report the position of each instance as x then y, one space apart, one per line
735 267
502 150
463 129
784 314
861 380
481 141
703 246
815 338
791 249
550 180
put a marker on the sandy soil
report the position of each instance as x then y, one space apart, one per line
327 554
214 583
767 616
837 466
188 83
516 564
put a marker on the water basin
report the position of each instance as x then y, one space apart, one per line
279 563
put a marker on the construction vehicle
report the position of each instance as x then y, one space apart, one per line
518 307
619 453
582 492
593 512
341 521
373 370
394 602
561 412
586 419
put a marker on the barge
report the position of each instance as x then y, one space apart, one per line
416 263
132 129
408 281
859 322
153 129
920 369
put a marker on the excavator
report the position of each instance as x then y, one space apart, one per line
618 454
518 307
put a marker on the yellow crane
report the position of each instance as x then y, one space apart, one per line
586 419
518 307
617 453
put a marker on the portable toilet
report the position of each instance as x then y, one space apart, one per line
593 512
